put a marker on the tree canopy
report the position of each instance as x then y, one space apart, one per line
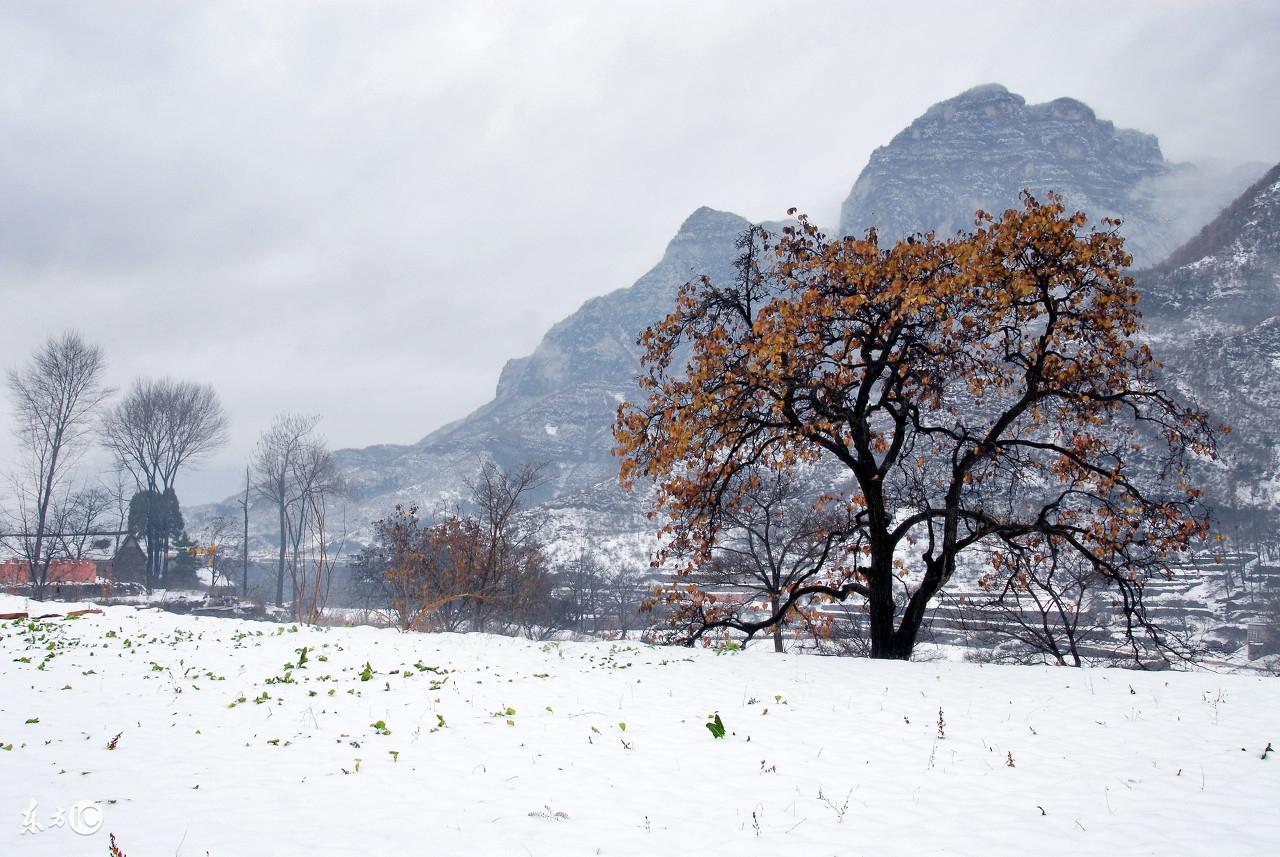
985 395
155 515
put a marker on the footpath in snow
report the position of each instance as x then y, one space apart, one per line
195 736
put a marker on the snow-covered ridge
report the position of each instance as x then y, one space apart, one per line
1212 312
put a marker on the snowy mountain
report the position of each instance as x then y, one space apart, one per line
980 149
556 405
1213 315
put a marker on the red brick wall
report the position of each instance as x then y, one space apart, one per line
14 572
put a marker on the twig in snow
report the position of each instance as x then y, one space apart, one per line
838 810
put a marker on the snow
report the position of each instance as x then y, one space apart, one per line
506 746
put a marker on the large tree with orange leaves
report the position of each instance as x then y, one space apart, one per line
985 396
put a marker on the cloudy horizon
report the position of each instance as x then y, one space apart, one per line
364 212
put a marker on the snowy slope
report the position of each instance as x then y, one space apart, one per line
1212 312
501 746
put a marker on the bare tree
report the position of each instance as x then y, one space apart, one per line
1049 610
54 399
159 427
314 480
217 539
244 539
83 521
313 593
510 538
597 600
622 596
584 583
118 489
274 462
778 539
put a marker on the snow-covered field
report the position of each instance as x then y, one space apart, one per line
232 743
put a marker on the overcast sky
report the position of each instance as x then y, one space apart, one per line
363 210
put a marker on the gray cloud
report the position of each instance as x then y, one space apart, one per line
364 210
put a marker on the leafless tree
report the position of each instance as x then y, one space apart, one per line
83 519
510 538
526 596
583 582
597 599
119 488
159 427
244 538
274 463
54 399
779 538
621 597
328 544
315 482
218 538
1050 609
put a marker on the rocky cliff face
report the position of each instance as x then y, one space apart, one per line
980 149
1213 316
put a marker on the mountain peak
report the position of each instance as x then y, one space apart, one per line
986 101
986 93
985 90
1069 109
981 148
705 228
705 220
598 341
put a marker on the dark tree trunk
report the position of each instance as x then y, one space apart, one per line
244 558
893 638
153 579
244 545
777 628
885 642
280 568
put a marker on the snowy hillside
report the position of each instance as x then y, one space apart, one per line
1213 316
556 405
241 738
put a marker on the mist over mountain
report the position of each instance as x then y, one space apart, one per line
977 150
1212 311
554 406
982 148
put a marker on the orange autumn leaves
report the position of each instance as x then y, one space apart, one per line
934 371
